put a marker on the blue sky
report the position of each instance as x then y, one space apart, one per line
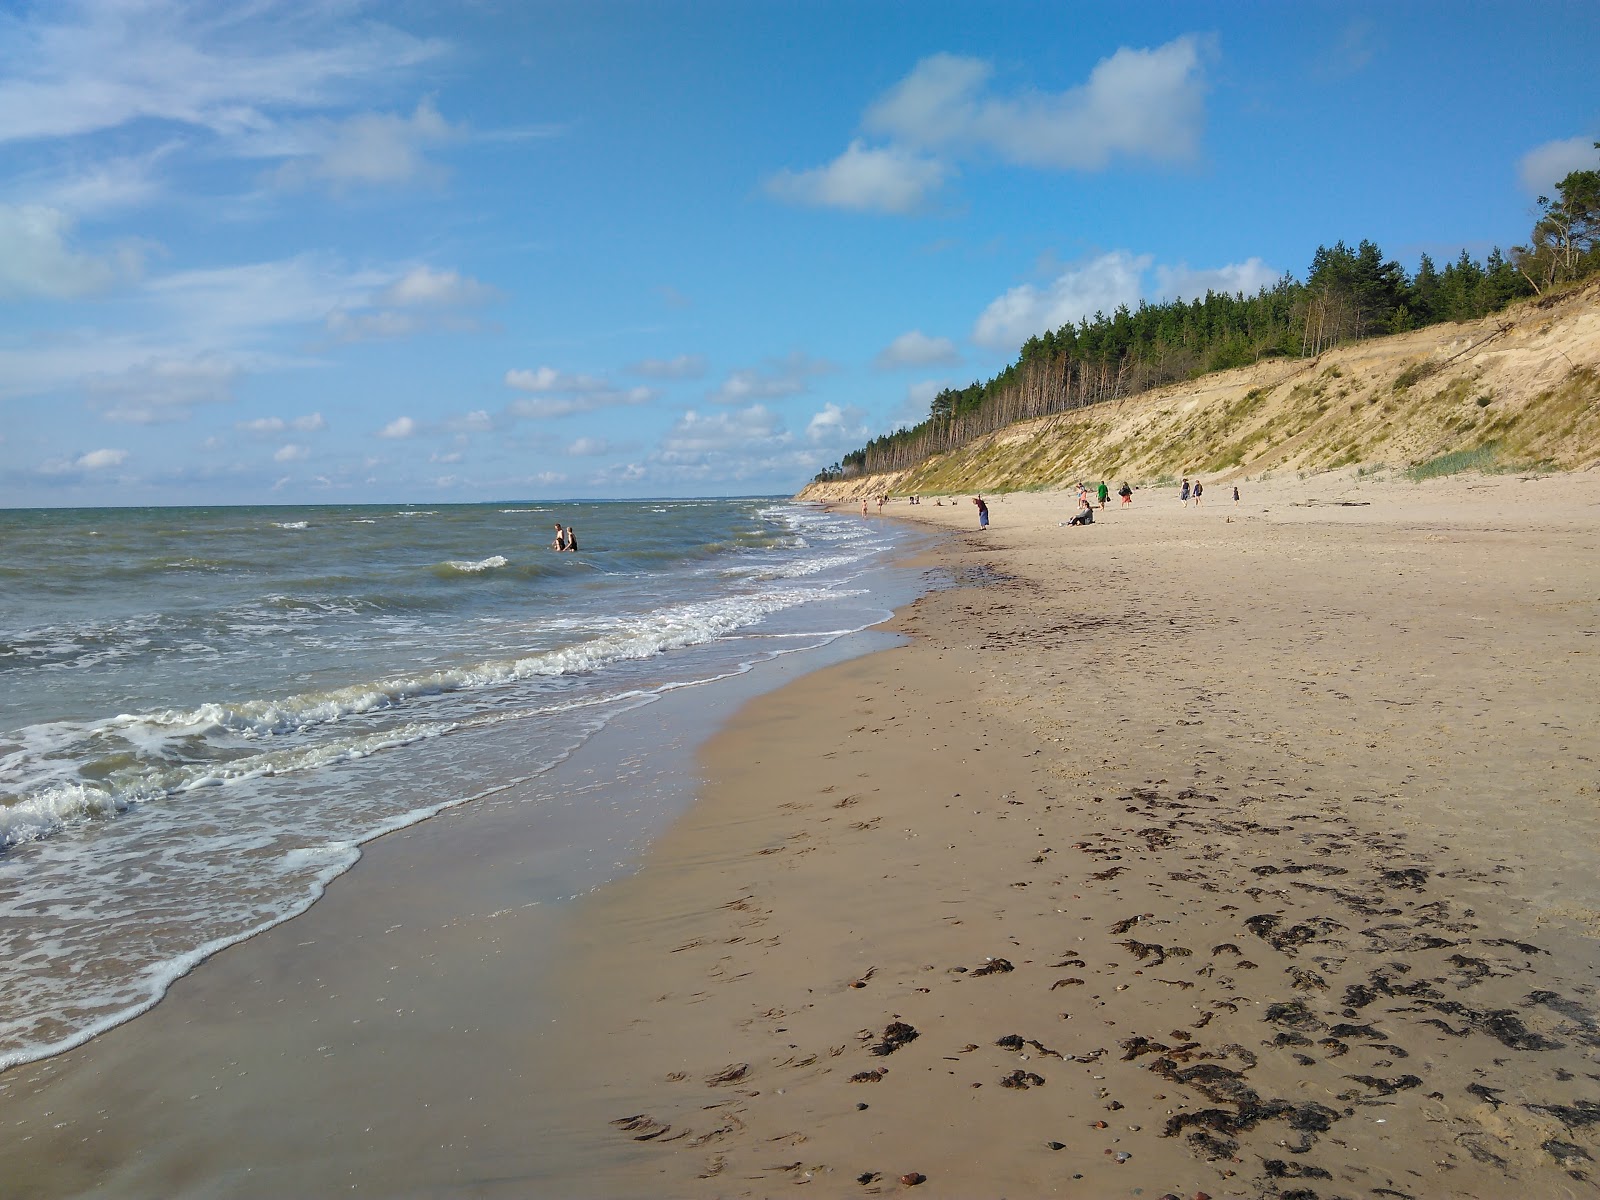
290 253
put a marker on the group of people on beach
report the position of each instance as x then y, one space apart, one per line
566 538
1196 492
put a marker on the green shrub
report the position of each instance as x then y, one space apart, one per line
1482 458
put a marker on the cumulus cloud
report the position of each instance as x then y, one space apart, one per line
1141 103
1096 286
291 453
560 394
548 379
36 258
684 366
421 300
1545 166
888 179
368 149
160 389
424 287
777 378
400 427
93 460
589 447
696 435
267 426
917 349
836 426
1179 282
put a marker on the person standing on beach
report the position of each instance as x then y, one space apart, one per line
1125 492
1236 495
1105 495
983 512
561 538
1198 490
863 506
1184 495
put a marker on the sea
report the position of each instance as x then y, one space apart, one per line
205 712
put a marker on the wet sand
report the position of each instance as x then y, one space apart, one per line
1239 852
1242 851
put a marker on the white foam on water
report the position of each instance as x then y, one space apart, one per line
292 524
473 568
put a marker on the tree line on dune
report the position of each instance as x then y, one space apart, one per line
1348 294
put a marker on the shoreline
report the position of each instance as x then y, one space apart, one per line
380 1040
1079 738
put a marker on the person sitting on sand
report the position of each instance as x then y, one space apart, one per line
983 512
1086 517
561 538
572 539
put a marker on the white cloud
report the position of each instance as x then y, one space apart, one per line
548 379
589 447
559 394
453 457
888 179
777 378
1143 103
99 64
1249 277
424 287
1545 166
372 326
159 389
36 259
400 427
549 478
367 149
917 349
94 460
913 409
695 436
836 426
1097 286
547 407
100 460
267 426
291 453
684 366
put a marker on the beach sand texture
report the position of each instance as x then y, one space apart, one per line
1242 851
1246 852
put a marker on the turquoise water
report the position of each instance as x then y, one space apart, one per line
204 712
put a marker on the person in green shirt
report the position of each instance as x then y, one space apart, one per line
1105 493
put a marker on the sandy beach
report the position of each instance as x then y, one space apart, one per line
1241 851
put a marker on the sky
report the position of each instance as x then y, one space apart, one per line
262 252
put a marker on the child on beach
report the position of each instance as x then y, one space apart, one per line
983 512
1236 495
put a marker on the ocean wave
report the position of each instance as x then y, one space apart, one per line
457 566
627 639
292 524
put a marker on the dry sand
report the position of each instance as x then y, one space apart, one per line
1241 851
